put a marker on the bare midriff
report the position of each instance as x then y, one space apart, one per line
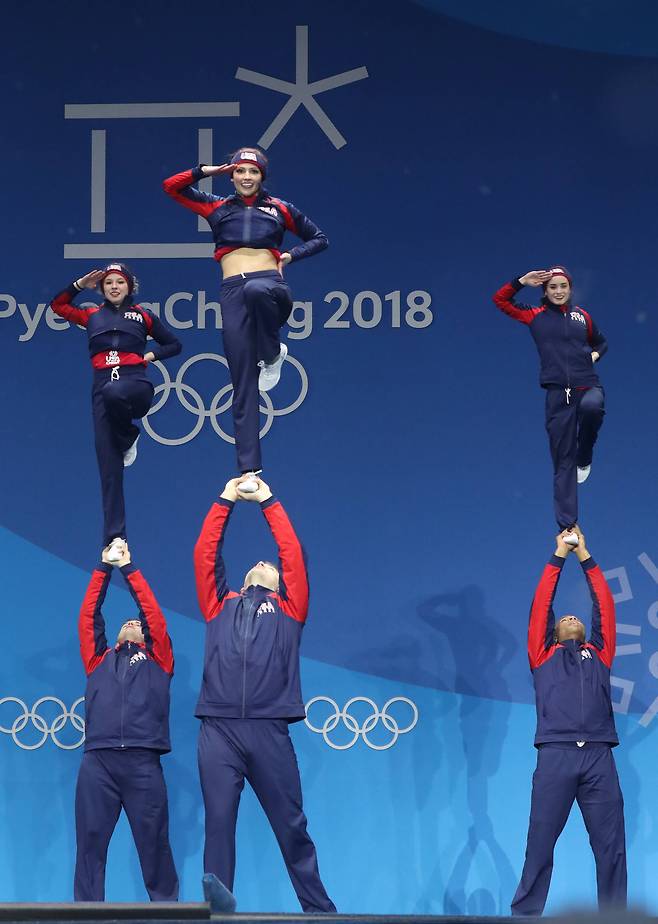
247 260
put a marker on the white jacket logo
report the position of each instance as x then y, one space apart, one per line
267 607
577 316
269 209
112 358
585 653
133 316
139 656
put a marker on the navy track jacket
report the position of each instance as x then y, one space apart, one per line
565 337
236 222
117 336
127 696
251 665
572 678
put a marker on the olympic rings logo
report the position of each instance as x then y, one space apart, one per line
362 730
192 401
44 728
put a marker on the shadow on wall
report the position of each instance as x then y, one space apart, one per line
480 651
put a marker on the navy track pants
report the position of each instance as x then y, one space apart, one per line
588 775
255 306
108 779
116 403
572 431
260 751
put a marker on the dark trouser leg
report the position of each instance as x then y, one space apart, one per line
602 805
110 469
269 303
554 786
97 808
591 412
145 800
274 775
561 426
126 399
239 335
222 770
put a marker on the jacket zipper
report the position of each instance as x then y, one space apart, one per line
244 659
246 234
566 354
124 671
582 698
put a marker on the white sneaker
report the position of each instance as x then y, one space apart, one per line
583 473
250 485
571 539
116 549
270 373
130 454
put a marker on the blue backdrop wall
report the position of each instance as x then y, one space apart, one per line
443 150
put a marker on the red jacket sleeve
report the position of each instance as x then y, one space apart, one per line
180 188
603 635
62 306
293 576
541 628
210 572
154 625
91 624
504 299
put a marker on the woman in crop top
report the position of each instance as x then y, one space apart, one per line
248 229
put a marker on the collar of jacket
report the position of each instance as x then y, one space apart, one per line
561 308
126 303
253 589
261 196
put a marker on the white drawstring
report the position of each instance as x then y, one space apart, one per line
115 374
568 393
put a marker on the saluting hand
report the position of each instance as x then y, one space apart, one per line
222 168
535 278
90 280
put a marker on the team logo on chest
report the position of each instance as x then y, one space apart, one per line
112 358
267 607
577 316
269 209
138 656
585 654
133 316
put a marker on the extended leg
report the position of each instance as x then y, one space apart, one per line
110 469
554 786
97 808
145 800
274 775
239 335
561 425
221 769
602 805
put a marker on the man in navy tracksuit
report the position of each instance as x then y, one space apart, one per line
117 332
575 736
127 729
251 692
569 344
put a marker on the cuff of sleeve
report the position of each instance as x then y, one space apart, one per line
103 566
267 503
197 172
130 568
224 502
588 564
518 285
557 561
